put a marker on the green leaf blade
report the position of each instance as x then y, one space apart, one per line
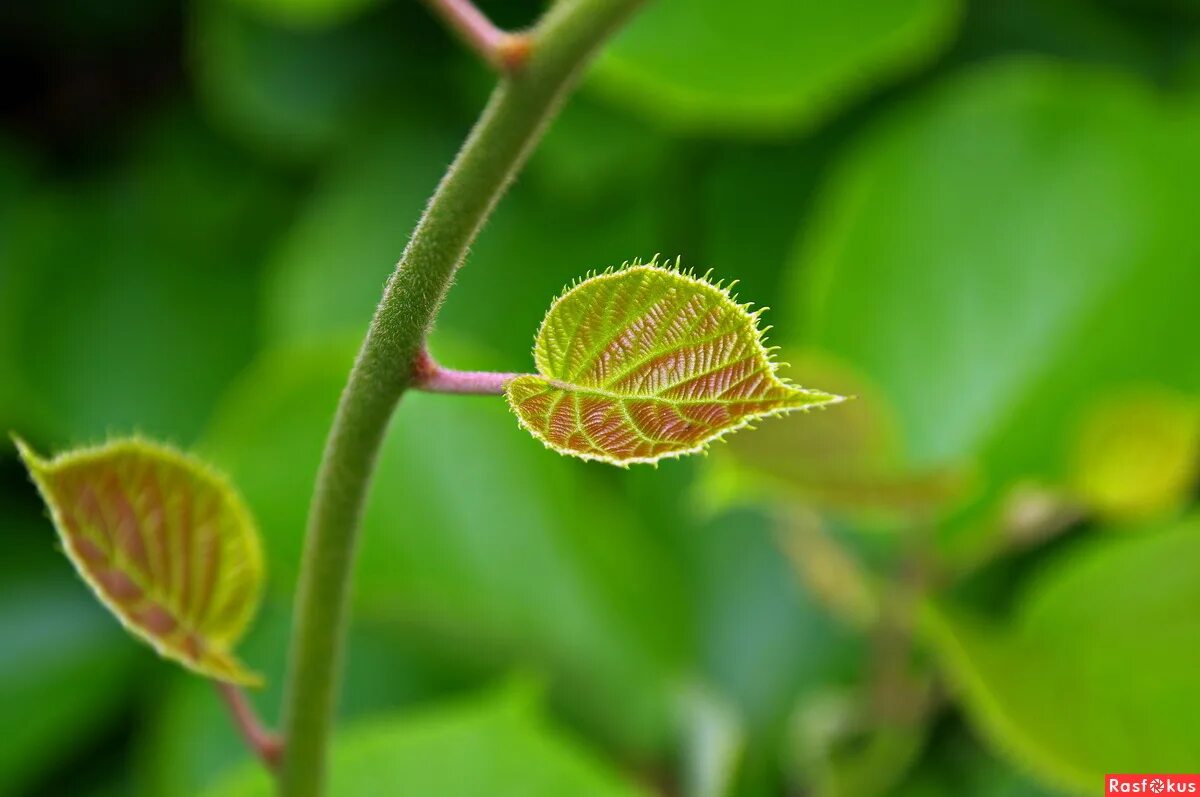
768 66
499 745
1107 639
163 542
647 362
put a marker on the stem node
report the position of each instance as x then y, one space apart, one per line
506 52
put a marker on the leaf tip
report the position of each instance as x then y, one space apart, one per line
25 451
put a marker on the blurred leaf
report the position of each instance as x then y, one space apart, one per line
329 271
297 93
65 670
997 252
750 199
488 551
767 643
1078 30
648 362
713 743
875 766
829 572
495 746
185 745
592 152
534 245
135 294
847 461
767 65
839 749
954 765
163 542
1138 454
1095 672
307 13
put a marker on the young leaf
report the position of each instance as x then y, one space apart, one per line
164 543
648 362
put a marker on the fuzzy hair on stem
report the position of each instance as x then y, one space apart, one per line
516 116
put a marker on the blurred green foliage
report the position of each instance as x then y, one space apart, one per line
978 213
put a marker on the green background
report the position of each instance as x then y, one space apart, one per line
978 216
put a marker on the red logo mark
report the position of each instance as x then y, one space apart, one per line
1151 784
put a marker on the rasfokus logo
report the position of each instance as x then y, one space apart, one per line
1151 784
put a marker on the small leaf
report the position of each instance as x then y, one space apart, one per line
164 543
648 362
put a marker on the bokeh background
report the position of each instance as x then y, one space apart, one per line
978 216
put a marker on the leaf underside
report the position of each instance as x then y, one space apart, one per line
648 362
164 543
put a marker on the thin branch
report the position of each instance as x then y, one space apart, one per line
265 743
431 377
506 52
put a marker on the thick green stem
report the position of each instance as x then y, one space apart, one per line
513 121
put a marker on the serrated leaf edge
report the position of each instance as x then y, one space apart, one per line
720 287
37 466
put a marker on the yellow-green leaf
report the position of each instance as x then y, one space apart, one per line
164 542
850 462
648 362
1138 453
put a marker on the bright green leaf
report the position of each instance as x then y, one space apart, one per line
648 362
996 253
496 747
165 544
1095 672
766 64
1138 453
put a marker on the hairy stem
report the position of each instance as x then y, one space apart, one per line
515 117
431 377
505 51
264 743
